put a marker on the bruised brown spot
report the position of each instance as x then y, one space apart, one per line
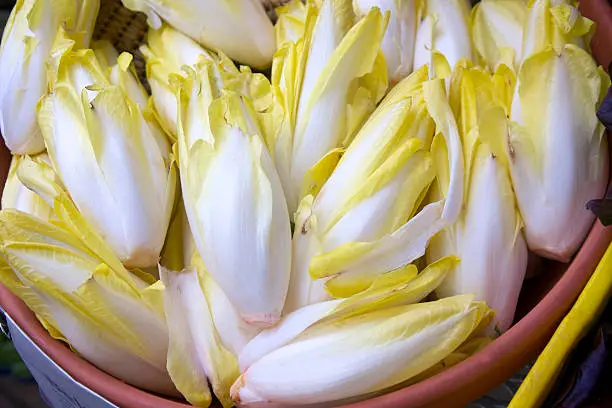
306 226
262 320
235 389
511 152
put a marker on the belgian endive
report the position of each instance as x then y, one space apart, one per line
17 196
558 152
444 30
497 30
493 260
233 198
325 86
241 29
26 44
110 154
365 220
315 356
82 294
398 42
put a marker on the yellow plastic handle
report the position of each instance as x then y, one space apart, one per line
587 309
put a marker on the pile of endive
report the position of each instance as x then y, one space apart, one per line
350 209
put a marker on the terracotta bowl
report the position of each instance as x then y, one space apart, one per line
544 301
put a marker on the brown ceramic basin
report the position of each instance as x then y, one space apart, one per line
543 303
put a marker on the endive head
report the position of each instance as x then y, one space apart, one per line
344 240
365 221
375 188
328 62
488 197
126 180
555 121
347 357
497 30
341 76
26 43
83 295
385 159
226 169
554 23
240 29
17 196
353 264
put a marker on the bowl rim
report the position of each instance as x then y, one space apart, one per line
461 383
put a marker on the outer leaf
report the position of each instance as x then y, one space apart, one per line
399 39
446 125
290 23
302 289
360 262
292 326
195 353
233 331
383 294
554 25
337 360
493 262
16 195
497 29
445 30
